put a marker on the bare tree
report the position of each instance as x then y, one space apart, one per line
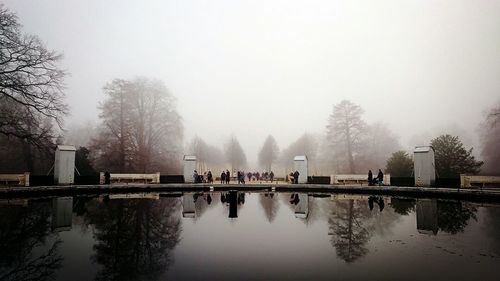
269 153
141 129
344 131
31 83
376 146
304 145
490 138
235 154
208 156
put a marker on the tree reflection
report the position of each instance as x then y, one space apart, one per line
23 231
403 206
270 205
134 238
349 234
453 217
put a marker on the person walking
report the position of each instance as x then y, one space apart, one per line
228 176
370 177
271 176
380 177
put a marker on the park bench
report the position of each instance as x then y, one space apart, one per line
15 179
356 179
131 178
481 181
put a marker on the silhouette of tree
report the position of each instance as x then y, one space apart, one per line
25 253
268 153
31 85
490 142
403 206
452 159
141 130
399 165
235 154
134 238
349 235
453 217
345 130
270 205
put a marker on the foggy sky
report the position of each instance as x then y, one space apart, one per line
253 68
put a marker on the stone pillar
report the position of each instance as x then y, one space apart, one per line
300 165
424 166
189 167
64 165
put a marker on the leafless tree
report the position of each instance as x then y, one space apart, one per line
490 138
208 156
269 153
31 83
304 145
376 146
141 130
235 154
344 131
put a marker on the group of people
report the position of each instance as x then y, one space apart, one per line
225 177
379 180
207 177
294 177
256 176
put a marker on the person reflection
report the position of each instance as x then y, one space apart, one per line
294 199
377 200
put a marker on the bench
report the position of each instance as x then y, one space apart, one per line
482 181
15 179
356 179
131 178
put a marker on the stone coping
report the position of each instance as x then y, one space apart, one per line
479 195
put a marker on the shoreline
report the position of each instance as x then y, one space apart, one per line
474 195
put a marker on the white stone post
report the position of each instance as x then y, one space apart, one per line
64 166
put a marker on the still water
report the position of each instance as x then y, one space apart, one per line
248 236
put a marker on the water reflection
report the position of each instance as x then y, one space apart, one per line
270 205
62 213
301 202
28 249
427 216
349 235
403 206
379 200
134 239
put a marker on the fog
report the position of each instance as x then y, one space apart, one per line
253 68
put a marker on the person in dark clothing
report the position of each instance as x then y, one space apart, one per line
249 176
370 177
107 178
271 176
296 175
222 177
228 176
380 176
210 177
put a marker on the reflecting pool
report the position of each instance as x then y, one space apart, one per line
247 236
